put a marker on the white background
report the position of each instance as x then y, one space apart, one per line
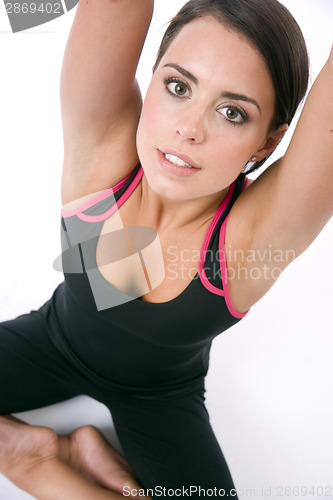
270 385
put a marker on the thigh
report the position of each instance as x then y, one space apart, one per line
171 444
32 371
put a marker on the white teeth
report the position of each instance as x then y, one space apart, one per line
177 161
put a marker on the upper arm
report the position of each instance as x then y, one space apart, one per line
297 192
284 210
100 98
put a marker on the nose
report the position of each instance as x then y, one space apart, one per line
191 124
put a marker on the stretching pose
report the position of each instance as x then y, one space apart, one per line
143 186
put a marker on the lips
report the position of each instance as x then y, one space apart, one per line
176 164
179 159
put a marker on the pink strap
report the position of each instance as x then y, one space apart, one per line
117 205
223 265
102 196
201 266
224 273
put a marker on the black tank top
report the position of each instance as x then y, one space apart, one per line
136 346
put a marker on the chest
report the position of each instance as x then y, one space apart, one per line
138 260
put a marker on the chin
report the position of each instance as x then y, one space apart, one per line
167 188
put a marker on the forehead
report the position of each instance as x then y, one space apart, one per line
215 52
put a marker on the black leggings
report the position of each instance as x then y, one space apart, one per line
169 443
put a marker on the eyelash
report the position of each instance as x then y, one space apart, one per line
171 79
241 111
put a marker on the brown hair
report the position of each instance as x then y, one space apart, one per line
272 30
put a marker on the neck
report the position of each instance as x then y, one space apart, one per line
163 212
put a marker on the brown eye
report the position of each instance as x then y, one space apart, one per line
233 115
177 88
180 89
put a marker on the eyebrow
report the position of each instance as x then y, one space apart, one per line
241 97
226 94
183 71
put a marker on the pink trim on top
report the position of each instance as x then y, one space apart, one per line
224 273
115 206
95 199
201 266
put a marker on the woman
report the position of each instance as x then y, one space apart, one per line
208 113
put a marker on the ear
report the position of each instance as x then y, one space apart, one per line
271 142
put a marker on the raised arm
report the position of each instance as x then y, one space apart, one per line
100 98
289 204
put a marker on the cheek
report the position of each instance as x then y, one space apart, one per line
242 143
149 132
230 147
230 151
149 121
142 135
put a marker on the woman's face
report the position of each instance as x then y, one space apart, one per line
209 105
